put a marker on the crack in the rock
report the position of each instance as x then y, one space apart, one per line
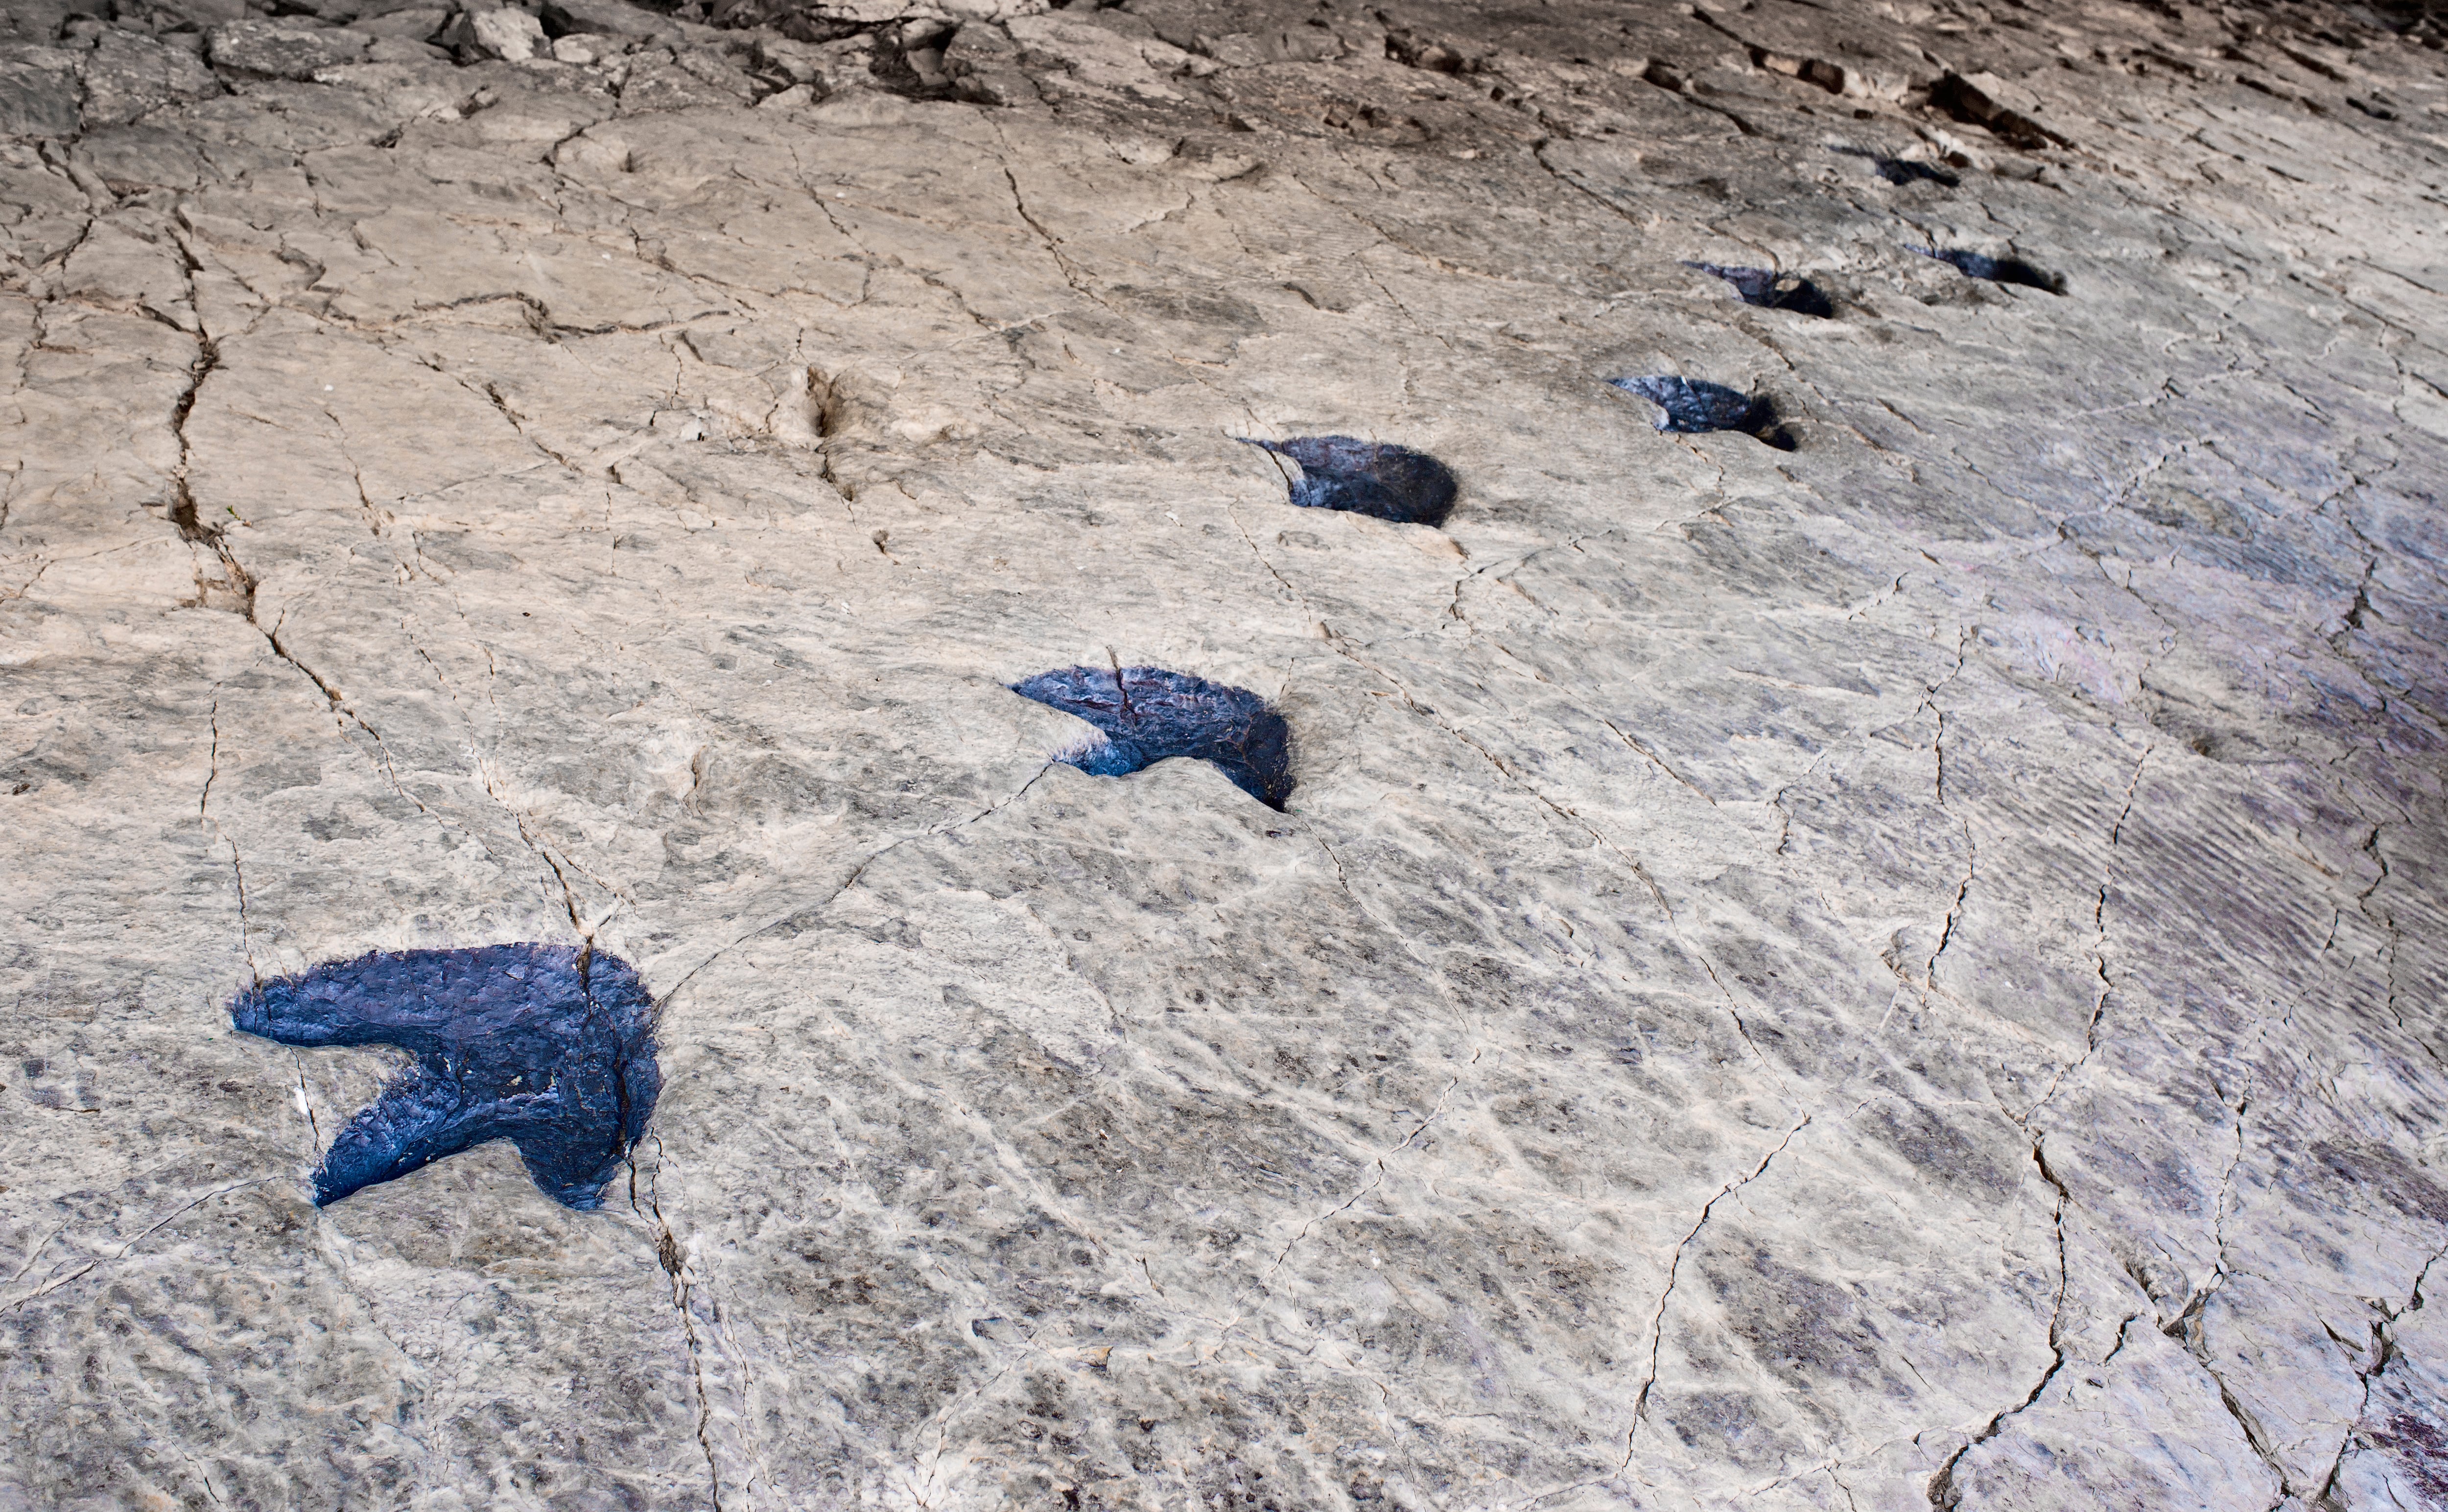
1342 645
491 392
1971 846
1426 328
2100 941
1377 1171
126 1247
676 1267
1673 1274
2188 1328
204 815
183 511
1785 815
2099 908
1062 264
1944 1495
2392 937
805 911
1658 761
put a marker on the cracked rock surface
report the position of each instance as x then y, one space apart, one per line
1903 972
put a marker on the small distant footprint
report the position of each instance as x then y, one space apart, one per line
1772 291
1901 171
548 1045
1690 406
1148 714
1368 477
1997 270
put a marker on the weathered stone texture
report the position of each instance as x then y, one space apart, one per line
1901 972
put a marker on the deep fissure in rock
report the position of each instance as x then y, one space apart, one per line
1366 477
1149 713
550 1046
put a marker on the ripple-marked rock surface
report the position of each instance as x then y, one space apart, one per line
1150 715
548 1047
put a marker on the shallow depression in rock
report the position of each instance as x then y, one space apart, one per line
1770 290
1148 714
1900 171
1368 477
1692 406
548 1045
1997 270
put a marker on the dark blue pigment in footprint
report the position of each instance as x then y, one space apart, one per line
546 1045
1691 407
1368 477
1771 291
1149 713
1997 270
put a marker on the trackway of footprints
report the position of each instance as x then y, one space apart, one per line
552 1046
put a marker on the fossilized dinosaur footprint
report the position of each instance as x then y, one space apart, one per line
1690 405
1148 714
548 1045
1770 290
1368 477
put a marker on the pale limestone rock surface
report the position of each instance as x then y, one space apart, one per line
1900 972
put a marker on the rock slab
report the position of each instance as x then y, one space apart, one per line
1898 967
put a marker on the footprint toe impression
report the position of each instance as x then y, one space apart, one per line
548 1045
1148 714
1772 291
1685 405
1368 477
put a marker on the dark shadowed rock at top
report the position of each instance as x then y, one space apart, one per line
545 1046
1149 713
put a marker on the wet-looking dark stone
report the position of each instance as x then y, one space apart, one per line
1368 477
548 1045
1687 405
1998 270
1148 714
1770 290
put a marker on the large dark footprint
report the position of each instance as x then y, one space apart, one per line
1149 713
1691 408
1368 477
542 1045
1772 291
1997 270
